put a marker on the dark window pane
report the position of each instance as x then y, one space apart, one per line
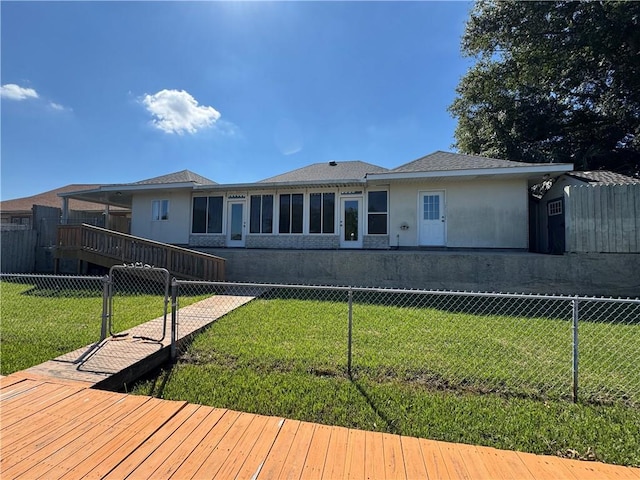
254 223
296 212
377 224
215 215
377 202
285 211
199 217
328 212
267 214
315 213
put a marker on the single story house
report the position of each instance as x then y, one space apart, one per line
439 200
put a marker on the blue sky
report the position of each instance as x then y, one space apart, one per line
235 91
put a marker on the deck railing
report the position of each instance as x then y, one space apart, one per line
181 262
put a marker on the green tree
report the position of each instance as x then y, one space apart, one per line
553 82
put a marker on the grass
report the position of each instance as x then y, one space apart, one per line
41 322
426 372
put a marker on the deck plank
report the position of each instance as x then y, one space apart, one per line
258 454
217 431
433 460
373 456
314 466
166 460
297 456
30 454
453 461
59 457
336 454
224 446
132 460
40 400
354 465
274 463
116 444
545 467
393 456
236 458
38 430
413 458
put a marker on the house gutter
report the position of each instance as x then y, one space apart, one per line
475 172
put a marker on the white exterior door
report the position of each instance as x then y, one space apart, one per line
432 219
351 222
236 224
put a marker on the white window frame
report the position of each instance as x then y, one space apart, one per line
160 210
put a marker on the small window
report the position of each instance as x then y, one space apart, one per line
291 209
160 210
555 207
431 207
261 217
377 213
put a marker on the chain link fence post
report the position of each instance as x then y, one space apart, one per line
106 280
574 366
174 318
350 332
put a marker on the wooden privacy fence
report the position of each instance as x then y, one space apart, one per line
107 248
603 218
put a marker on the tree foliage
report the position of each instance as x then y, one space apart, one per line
553 82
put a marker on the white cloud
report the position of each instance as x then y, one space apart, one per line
176 111
16 92
56 106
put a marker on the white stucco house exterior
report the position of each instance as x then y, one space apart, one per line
443 200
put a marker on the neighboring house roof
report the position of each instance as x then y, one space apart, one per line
184 176
51 199
327 171
603 177
442 161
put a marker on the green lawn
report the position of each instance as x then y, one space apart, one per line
492 379
41 322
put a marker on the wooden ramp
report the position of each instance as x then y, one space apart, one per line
117 361
57 429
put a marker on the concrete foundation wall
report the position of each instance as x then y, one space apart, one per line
574 274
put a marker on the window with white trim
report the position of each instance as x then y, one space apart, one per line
261 216
322 212
160 210
291 212
207 215
377 212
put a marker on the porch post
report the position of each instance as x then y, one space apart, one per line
65 211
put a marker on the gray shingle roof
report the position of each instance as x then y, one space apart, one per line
327 171
603 177
442 161
184 176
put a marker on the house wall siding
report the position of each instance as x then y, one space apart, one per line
479 213
207 240
174 230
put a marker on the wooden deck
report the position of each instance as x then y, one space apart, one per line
56 429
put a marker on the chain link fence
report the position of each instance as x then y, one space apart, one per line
525 345
533 346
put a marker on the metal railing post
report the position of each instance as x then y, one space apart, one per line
349 341
105 307
174 318
574 366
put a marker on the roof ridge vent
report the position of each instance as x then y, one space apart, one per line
333 163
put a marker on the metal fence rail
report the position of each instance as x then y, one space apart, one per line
539 346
